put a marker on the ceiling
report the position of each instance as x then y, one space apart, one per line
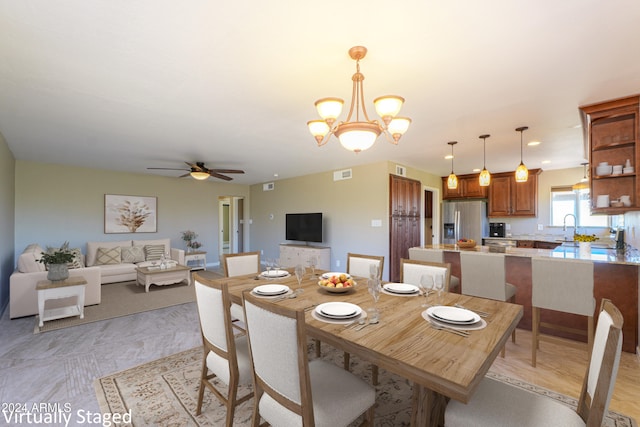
125 85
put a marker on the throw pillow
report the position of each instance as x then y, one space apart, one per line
132 254
77 259
108 256
154 252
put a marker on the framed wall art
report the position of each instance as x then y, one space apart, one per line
130 214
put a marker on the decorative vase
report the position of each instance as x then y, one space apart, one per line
585 249
58 272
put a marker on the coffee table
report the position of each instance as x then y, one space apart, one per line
163 276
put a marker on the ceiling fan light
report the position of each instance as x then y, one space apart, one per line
388 106
452 181
199 175
522 173
329 108
485 178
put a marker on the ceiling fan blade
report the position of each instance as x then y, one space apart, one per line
186 174
197 166
169 169
227 170
217 175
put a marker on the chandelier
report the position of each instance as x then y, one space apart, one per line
360 134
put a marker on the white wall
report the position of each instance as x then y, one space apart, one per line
7 219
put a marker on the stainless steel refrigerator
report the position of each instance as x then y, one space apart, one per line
465 219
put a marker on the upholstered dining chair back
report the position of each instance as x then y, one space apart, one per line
226 356
483 275
497 403
241 263
433 255
283 374
359 265
411 271
565 286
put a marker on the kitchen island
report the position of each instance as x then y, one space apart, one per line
615 277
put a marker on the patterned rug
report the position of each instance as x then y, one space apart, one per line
165 393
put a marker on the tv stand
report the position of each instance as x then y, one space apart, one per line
292 255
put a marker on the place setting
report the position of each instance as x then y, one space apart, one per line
274 271
272 291
337 312
453 319
400 289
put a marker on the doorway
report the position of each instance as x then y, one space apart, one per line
231 224
431 216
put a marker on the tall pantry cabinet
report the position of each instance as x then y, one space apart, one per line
404 221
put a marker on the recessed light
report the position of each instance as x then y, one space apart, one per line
448 157
275 175
546 162
532 143
476 170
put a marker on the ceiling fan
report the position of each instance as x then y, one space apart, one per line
199 171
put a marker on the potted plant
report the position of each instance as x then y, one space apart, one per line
56 260
584 243
189 238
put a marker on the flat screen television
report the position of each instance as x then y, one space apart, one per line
304 227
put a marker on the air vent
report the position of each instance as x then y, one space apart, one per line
268 186
343 174
401 170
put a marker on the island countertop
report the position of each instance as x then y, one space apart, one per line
630 256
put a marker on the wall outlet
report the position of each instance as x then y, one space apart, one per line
261 252
540 227
376 223
337 263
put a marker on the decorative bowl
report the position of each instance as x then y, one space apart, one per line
466 244
334 290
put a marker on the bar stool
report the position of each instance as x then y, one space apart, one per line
433 255
565 286
483 275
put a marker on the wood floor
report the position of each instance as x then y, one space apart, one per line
562 369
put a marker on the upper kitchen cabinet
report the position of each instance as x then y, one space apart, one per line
468 188
612 136
510 198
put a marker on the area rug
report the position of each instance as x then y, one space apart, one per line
165 393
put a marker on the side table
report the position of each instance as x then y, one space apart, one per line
48 290
196 260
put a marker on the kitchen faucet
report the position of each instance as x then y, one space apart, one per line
575 224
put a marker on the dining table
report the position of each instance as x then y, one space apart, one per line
440 364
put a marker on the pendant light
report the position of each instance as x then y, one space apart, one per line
522 173
584 182
452 181
485 176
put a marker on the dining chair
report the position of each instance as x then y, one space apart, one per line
565 286
359 265
433 255
496 403
289 389
412 270
238 265
226 355
484 276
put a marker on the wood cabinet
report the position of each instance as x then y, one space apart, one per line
546 245
292 255
510 198
405 220
468 188
526 243
612 132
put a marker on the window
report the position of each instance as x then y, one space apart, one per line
565 201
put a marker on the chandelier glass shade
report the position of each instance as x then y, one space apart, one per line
485 176
522 173
361 133
199 175
452 181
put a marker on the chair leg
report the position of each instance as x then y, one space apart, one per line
535 325
317 345
203 378
369 417
374 374
347 360
231 401
590 332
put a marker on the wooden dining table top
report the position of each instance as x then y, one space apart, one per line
403 342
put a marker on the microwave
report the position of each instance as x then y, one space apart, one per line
496 229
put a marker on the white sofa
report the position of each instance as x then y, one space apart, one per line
126 270
23 297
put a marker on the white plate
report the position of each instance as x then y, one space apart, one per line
455 315
338 310
271 290
334 273
275 273
400 288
